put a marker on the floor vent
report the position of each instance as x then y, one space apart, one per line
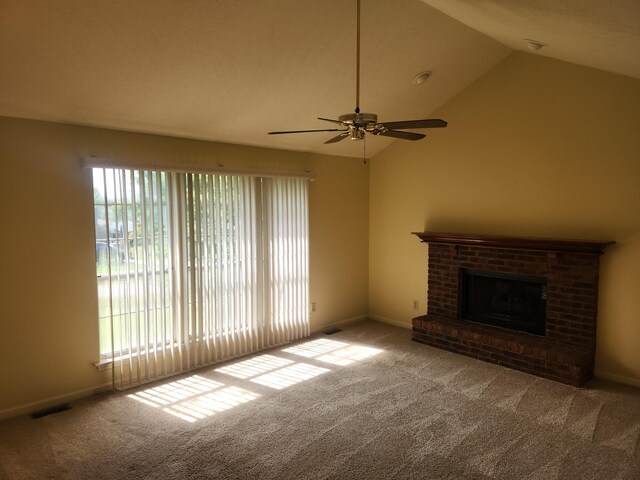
331 331
50 411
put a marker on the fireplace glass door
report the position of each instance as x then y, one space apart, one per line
508 301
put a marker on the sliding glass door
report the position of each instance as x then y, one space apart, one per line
193 268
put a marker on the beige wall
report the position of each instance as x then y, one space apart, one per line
48 304
535 147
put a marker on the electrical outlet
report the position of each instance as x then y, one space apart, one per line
313 306
416 304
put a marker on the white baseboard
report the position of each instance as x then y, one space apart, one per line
391 322
51 402
87 392
340 323
618 378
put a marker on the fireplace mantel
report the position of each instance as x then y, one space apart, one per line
517 243
569 269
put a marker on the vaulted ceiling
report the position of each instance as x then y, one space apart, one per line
595 33
232 70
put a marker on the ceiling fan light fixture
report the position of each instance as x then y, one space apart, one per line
357 134
421 77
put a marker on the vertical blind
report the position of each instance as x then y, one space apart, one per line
194 268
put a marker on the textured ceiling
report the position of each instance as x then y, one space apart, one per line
232 70
603 34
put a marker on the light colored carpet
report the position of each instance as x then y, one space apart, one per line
378 407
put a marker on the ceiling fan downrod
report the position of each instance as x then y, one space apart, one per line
358 58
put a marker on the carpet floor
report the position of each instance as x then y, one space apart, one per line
364 403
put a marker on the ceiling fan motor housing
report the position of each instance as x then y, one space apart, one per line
359 119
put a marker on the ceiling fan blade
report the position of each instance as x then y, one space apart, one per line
402 135
428 123
337 138
329 120
307 131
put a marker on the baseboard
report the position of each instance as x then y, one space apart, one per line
340 323
395 323
87 392
69 397
51 402
618 378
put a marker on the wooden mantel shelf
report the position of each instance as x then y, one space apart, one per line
522 243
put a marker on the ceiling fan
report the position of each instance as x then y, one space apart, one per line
356 125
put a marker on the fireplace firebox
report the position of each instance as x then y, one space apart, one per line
516 302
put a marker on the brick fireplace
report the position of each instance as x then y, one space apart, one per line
524 303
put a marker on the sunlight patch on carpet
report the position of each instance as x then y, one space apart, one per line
288 376
349 355
169 393
315 348
254 366
211 403
193 398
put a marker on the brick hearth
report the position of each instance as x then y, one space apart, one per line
566 352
